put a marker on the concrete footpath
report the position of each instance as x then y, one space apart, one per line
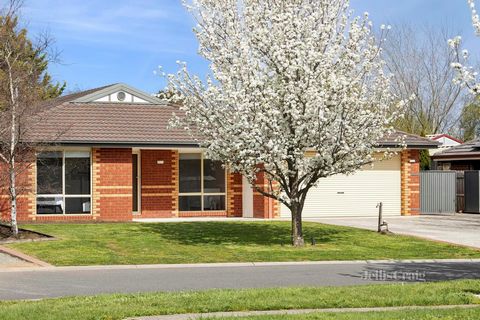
235 314
48 282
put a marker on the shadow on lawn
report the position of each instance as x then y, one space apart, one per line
237 233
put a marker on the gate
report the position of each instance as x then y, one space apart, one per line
438 192
460 191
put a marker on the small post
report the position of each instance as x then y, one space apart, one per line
381 224
380 212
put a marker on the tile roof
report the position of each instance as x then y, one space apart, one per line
443 135
411 140
467 150
65 121
109 123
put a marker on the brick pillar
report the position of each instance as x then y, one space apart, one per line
159 179
234 195
112 184
264 207
175 179
410 182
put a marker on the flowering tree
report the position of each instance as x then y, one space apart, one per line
297 92
466 75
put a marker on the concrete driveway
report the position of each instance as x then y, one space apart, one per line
463 229
8 261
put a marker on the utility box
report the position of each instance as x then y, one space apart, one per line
472 191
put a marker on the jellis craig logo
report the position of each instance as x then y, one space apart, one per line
384 275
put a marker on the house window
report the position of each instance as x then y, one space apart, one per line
63 183
201 183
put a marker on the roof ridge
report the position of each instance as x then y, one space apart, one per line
93 96
71 96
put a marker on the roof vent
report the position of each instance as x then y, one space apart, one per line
121 96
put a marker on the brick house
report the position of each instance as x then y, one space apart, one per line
112 157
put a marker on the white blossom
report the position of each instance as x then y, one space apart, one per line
466 75
297 91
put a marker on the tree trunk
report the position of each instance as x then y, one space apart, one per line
13 143
297 231
13 199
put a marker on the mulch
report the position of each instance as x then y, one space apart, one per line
6 234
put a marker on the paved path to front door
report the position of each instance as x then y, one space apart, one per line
67 281
463 229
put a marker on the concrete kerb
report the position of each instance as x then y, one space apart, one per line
48 267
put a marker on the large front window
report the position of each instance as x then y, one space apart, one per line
201 183
63 183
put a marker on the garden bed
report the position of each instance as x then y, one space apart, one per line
6 235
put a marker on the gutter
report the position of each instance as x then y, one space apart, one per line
172 144
124 144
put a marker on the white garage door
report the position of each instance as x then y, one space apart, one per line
357 194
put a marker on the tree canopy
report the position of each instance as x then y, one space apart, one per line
297 92
470 120
26 54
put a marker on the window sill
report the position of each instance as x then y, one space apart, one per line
219 213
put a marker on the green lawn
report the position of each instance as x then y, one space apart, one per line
195 242
121 306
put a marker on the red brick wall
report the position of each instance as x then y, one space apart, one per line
234 195
264 207
159 192
25 189
112 185
410 182
112 190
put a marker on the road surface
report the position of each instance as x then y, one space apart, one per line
68 281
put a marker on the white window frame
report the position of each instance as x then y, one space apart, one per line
202 194
63 195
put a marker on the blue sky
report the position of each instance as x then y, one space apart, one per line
108 41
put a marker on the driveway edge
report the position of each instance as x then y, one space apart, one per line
24 257
49 267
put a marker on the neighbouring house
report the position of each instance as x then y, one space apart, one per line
110 156
459 158
446 141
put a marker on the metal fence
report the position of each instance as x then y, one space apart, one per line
460 191
472 191
438 192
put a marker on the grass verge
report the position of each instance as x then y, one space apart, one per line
203 242
120 306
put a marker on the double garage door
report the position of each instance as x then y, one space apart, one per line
357 194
